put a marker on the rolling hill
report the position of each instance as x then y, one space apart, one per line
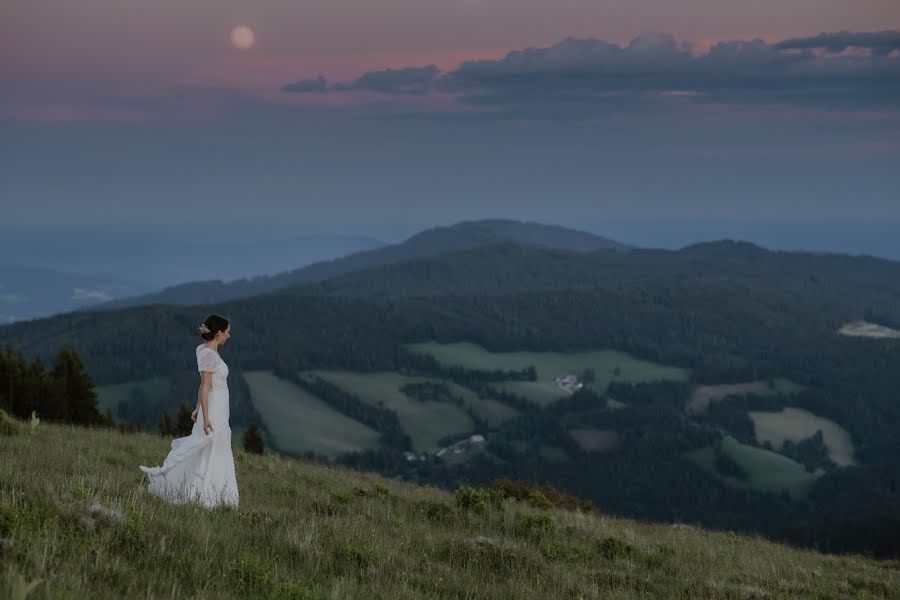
464 235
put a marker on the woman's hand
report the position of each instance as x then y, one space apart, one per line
207 426
194 414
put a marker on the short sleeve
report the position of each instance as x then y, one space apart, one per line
206 360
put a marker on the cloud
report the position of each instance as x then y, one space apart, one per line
410 80
879 42
586 76
82 294
319 85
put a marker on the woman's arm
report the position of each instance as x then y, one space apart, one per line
203 398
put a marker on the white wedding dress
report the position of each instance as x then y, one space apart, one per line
200 467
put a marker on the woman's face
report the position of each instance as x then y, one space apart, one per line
224 335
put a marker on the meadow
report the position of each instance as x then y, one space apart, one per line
607 366
87 528
425 422
796 424
767 471
299 422
704 395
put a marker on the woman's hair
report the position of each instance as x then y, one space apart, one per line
212 325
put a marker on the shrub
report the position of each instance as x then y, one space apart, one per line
358 555
8 426
468 498
537 499
536 522
556 550
520 490
251 574
341 497
612 548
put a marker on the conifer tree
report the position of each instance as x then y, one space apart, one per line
165 427
253 441
183 422
74 389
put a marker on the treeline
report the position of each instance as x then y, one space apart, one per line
64 393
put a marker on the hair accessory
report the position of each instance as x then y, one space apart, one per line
203 328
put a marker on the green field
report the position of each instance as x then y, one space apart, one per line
154 392
704 395
796 424
768 471
608 366
300 422
425 422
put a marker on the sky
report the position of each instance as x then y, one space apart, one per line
382 118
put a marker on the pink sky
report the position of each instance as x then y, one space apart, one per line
58 57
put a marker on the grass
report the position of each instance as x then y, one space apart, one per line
76 522
425 422
796 424
608 366
704 395
300 422
767 471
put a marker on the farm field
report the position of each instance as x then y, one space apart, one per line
153 392
594 440
866 329
425 422
608 366
704 395
796 424
300 422
767 471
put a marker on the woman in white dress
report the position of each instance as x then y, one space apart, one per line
200 467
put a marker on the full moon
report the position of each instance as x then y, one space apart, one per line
242 37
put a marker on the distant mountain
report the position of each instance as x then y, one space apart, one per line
432 242
29 292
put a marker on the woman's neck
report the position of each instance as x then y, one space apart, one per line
214 346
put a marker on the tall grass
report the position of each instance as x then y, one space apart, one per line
76 522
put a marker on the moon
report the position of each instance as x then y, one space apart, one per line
242 37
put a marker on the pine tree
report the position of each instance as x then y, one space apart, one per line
165 427
74 389
183 422
253 441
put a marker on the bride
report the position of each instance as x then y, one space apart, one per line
200 467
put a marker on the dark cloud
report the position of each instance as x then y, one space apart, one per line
411 80
879 42
577 78
318 85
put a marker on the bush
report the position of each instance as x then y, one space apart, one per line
8 426
251 574
341 497
556 550
521 490
536 522
468 498
537 499
612 548
358 555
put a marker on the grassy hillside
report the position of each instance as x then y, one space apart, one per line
75 519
